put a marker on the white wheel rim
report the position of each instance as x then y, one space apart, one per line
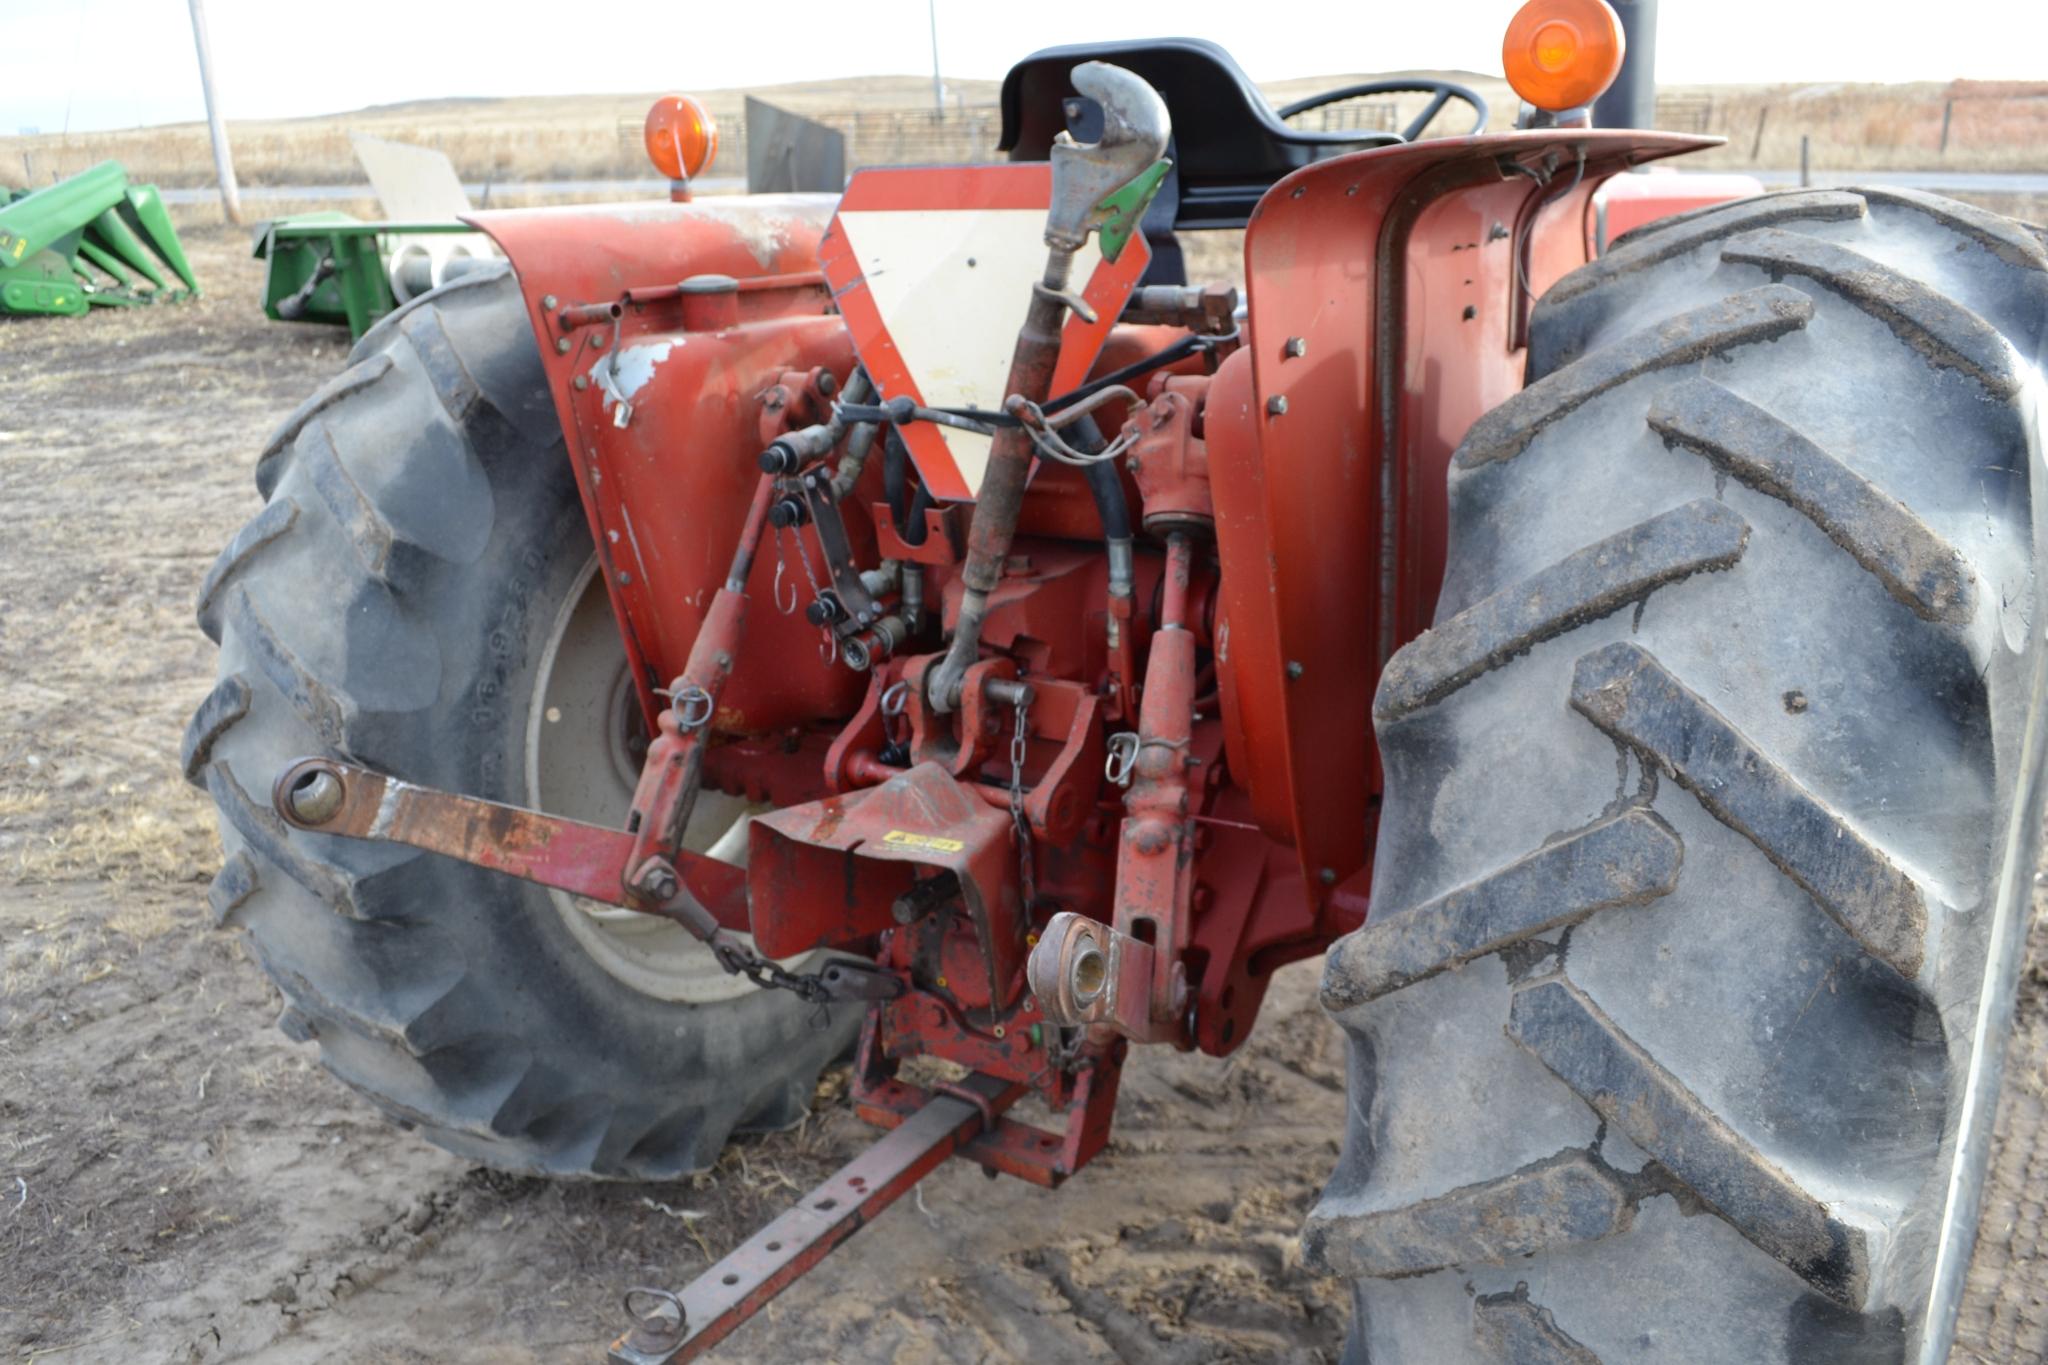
581 762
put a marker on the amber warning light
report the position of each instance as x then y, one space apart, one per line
1561 54
681 137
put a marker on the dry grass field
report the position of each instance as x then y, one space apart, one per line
1989 127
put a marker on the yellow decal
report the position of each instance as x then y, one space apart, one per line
905 839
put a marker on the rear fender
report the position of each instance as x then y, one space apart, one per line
666 493
1389 294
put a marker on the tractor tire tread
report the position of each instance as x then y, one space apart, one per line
1753 316
376 338
1757 979
1514 1331
277 517
1628 1088
377 609
325 709
2015 243
1946 333
231 888
226 704
1570 1197
1915 564
272 460
1619 571
1660 239
1624 690
1629 859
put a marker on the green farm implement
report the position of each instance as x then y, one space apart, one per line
332 267
84 242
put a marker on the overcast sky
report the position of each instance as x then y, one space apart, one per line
117 63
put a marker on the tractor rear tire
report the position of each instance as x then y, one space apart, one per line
1711 813
392 604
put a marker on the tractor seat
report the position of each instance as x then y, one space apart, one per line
1228 145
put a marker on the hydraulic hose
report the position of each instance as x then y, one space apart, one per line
896 478
1104 482
1115 513
859 442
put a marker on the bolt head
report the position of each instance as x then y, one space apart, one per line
1294 669
549 302
561 345
660 882
1276 405
1295 348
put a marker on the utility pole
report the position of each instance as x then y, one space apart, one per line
223 160
938 91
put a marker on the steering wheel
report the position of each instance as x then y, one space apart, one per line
1443 92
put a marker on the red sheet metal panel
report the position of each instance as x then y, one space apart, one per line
666 494
1385 311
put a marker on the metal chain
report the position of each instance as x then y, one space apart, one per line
803 554
841 979
828 647
1063 1049
741 960
1027 879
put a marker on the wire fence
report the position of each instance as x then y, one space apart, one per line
1685 113
965 135
1966 125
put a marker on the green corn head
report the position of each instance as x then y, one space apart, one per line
332 267
83 242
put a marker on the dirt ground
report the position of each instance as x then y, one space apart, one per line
178 1182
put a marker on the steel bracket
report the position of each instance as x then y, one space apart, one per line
767 1263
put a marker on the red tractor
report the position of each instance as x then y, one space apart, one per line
919 622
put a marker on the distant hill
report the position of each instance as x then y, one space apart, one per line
1961 125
